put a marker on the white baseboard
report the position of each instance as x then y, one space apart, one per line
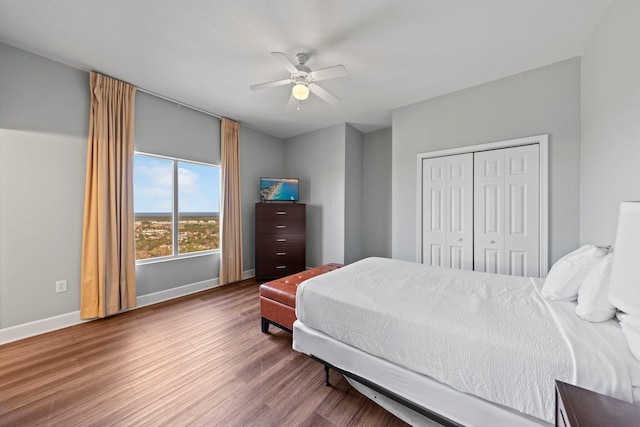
37 327
180 291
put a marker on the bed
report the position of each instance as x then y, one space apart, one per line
459 347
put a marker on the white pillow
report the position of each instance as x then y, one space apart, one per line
566 275
593 302
631 330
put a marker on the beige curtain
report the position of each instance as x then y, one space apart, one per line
108 283
231 215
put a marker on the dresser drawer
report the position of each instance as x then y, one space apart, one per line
281 254
280 211
279 240
279 269
280 227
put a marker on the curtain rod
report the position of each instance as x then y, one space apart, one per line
181 104
166 98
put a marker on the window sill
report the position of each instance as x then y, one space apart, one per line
176 257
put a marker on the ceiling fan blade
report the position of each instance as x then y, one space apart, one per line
270 84
324 94
292 105
329 73
282 58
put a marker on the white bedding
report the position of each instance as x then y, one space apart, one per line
489 335
461 408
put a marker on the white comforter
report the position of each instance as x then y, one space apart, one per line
489 335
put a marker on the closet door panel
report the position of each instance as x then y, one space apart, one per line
456 257
437 211
448 211
460 207
434 214
517 218
518 263
436 255
522 179
489 211
457 203
491 260
506 223
492 200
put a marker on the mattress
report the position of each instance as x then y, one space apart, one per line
462 408
485 335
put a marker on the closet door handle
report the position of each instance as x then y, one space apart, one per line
281 212
280 253
280 267
281 226
281 240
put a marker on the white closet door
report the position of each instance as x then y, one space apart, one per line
522 207
488 211
447 208
434 212
506 211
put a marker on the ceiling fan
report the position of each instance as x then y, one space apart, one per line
303 80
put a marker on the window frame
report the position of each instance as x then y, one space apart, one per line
175 214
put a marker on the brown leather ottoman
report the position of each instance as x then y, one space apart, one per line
278 297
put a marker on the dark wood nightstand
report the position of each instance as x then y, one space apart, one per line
579 407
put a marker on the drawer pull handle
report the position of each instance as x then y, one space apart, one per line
281 226
281 212
281 240
280 253
280 267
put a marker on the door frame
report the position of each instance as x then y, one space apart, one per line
543 143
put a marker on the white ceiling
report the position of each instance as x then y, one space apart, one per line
206 53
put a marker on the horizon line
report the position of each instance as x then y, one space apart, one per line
180 213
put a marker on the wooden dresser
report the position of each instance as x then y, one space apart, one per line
280 239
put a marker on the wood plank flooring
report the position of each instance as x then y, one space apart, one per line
197 360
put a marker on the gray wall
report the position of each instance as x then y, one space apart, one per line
44 117
376 194
610 156
353 195
168 129
540 101
260 155
318 159
331 165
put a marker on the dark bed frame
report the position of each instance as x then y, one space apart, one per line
387 393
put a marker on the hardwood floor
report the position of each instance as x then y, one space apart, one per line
197 360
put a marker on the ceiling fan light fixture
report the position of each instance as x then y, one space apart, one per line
300 92
304 80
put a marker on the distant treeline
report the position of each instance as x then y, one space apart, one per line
200 232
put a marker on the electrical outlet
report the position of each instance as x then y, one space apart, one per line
61 286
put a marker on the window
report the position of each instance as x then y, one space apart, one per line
176 205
